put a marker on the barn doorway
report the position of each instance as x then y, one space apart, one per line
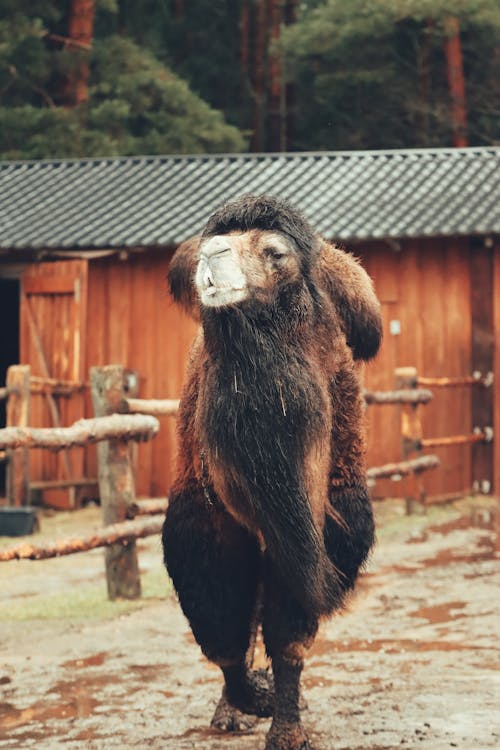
9 349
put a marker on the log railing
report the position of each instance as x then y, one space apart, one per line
157 407
413 441
123 534
81 433
120 418
112 432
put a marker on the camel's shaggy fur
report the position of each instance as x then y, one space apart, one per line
269 519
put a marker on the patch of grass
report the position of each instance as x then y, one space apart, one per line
86 602
393 522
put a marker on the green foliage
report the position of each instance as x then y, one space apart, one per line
203 46
372 73
148 109
366 74
135 104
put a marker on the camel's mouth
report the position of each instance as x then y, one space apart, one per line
221 296
219 278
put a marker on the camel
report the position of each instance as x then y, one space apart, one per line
269 519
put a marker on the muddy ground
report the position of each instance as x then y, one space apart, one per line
413 663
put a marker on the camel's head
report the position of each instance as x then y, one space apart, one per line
252 249
242 265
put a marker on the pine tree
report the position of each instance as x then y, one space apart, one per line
65 94
377 75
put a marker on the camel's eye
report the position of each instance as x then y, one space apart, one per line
275 253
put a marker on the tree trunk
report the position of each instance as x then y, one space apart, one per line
80 34
245 38
259 77
291 7
456 83
179 10
277 102
424 85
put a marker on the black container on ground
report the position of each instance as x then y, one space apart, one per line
18 521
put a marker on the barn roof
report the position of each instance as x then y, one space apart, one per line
162 200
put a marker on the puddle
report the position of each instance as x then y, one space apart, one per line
88 735
485 550
481 518
450 555
206 733
439 613
91 661
390 646
455 524
150 671
89 683
80 706
310 681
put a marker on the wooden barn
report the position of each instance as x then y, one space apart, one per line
85 247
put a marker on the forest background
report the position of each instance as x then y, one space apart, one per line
123 77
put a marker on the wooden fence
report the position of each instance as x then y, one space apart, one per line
120 419
413 441
112 431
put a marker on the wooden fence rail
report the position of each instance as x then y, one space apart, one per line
157 407
477 378
112 432
399 396
121 533
413 441
81 433
120 418
398 470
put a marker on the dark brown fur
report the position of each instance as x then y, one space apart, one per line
271 492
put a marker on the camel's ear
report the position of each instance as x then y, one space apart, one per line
350 289
181 276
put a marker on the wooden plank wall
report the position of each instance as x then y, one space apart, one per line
132 321
426 287
496 367
53 297
445 294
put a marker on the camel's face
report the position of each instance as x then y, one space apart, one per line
239 266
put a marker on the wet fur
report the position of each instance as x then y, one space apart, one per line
271 491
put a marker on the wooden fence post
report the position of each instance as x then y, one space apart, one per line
411 435
116 484
18 415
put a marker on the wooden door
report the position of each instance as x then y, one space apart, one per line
53 330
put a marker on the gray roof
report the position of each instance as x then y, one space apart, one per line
163 200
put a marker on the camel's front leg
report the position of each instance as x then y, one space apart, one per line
215 566
288 632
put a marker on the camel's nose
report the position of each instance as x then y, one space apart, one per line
208 279
215 246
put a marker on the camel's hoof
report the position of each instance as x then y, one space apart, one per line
227 718
255 695
287 737
261 693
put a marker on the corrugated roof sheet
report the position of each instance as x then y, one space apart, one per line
160 200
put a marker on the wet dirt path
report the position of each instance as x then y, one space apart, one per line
413 663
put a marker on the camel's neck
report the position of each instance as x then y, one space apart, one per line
234 339
261 393
258 335
261 409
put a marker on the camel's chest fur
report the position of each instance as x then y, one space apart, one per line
261 413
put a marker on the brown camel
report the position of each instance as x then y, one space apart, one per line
269 518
